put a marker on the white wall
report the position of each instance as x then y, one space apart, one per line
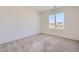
71 23
18 22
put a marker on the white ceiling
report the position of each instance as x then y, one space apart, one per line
41 8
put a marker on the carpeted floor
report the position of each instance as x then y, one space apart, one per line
41 43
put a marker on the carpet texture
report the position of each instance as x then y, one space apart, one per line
41 43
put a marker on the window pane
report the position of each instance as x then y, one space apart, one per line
51 21
60 20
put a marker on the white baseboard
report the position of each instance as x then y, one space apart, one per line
60 36
18 38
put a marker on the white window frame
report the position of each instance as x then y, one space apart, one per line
55 20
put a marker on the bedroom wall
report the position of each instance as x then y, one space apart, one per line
71 15
18 22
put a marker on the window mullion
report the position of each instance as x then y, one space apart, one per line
55 21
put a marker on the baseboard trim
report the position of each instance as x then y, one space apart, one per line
29 36
20 38
40 34
59 36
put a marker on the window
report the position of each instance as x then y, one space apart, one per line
56 21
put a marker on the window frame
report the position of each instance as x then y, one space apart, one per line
56 20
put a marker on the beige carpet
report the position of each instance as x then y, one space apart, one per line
41 43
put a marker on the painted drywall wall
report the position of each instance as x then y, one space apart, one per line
18 22
71 30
